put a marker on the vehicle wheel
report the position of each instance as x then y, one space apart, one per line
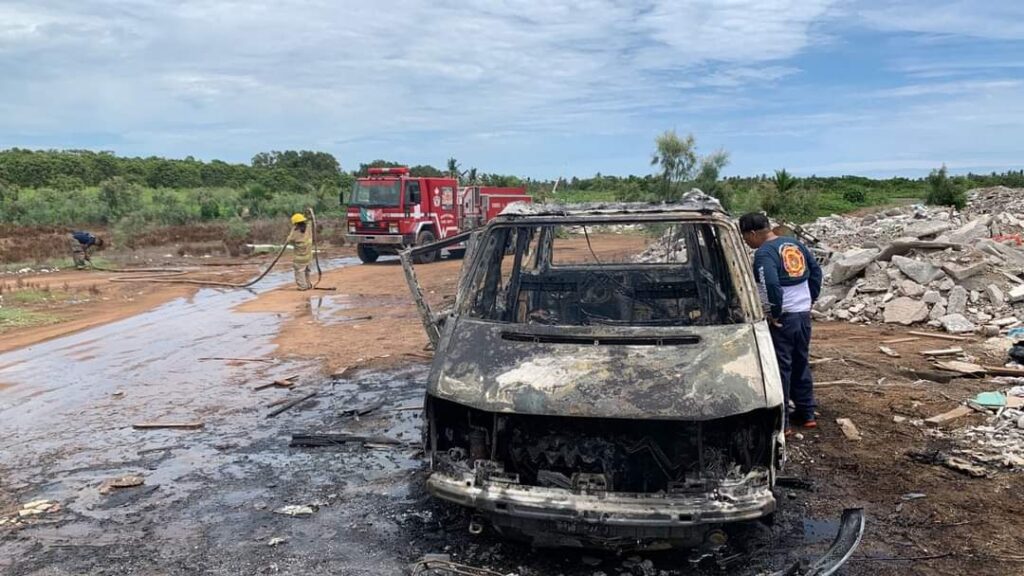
367 254
426 237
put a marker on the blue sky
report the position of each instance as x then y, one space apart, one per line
539 89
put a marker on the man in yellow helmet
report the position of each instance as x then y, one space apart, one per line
301 238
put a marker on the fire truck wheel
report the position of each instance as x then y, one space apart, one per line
426 237
366 254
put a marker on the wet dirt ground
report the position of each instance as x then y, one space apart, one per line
208 501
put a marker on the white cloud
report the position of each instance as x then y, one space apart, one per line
315 73
1003 20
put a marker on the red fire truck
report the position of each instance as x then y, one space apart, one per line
390 210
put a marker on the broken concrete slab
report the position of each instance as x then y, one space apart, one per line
876 279
995 295
961 272
931 297
825 303
905 311
922 228
1016 294
974 230
911 289
851 263
920 271
901 246
957 324
849 429
957 301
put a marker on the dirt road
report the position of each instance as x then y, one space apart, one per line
207 505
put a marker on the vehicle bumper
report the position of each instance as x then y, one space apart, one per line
730 503
376 239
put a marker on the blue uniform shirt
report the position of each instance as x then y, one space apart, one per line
84 238
788 276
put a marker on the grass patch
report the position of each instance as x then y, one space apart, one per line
53 263
30 296
11 317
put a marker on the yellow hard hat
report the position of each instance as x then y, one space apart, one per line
298 217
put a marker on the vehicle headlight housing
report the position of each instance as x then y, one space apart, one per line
351 228
393 228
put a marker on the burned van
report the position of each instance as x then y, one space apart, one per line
604 377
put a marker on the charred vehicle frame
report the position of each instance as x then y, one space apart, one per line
633 404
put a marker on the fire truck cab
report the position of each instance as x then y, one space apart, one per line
389 210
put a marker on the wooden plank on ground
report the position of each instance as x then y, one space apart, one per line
943 351
958 412
901 340
961 367
1003 371
940 336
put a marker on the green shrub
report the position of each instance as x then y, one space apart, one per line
943 192
856 196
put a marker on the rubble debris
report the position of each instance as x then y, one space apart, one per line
848 428
295 510
965 262
957 301
442 565
276 540
942 458
128 481
961 272
851 263
956 323
920 271
889 352
36 507
905 311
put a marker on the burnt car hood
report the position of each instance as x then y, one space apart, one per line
533 370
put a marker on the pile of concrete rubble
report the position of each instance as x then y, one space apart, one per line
959 271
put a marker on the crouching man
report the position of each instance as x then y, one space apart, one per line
81 243
789 281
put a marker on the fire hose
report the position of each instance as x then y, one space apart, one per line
169 275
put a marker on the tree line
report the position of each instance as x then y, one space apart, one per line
81 187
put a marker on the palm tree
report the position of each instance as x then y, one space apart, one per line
453 167
784 182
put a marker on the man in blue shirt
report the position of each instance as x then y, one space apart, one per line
80 243
789 281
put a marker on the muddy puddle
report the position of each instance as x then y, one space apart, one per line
334 309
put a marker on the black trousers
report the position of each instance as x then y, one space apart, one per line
792 349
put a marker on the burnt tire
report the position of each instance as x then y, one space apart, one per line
367 254
424 238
